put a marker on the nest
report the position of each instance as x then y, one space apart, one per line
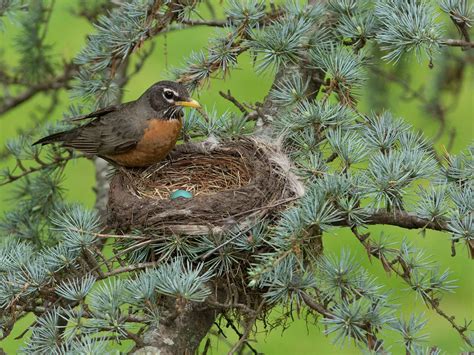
232 183
203 176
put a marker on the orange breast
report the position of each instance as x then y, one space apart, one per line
159 138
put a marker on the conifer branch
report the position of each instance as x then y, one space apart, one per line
405 220
232 99
405 275
39 121
210 23
373 343
57 161
55 83
129 268
248 328
457 43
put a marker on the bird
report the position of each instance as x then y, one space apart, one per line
135 134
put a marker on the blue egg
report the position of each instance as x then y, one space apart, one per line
180 193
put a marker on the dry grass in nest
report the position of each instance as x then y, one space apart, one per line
232 183
200 175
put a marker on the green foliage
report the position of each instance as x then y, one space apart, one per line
181 280
76 226
411 331
8 9
345 69
279 44
286 283
407 27
76 289
459 10
44 335
247 13
36 58
342 278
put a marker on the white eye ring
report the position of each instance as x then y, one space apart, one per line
169 95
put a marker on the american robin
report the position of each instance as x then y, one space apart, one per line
134 134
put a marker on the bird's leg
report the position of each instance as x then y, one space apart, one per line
169 158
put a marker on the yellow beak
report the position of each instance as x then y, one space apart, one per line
191 103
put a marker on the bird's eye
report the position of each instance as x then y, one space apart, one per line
168 94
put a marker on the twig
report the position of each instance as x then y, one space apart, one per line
58 82
315 306
106 235
211 23
278 203
45 116
243 338
232 99
236 47
57 162
331 158
452 137
130 268
138 66
209 253
230 305
372 341
406 220
405 275
457 43
124 251
92 262
92 16
207 346
27 329
132 336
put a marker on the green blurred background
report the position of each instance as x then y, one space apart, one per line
68 32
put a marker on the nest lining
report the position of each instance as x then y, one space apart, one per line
232 182
196 173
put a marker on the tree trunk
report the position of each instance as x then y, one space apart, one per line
179 333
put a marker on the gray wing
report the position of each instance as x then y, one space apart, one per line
100 112
113 133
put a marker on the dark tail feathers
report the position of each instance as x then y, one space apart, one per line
56 137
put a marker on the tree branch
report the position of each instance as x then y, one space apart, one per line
232 99
130 268
55 83
308 300
405 220
179 331
58 161
405 275
372 342
101 188
211 23
457 43
248 327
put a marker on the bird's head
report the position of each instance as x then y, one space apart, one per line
168 98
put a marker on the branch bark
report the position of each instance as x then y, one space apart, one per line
457 43
101 187
400 219
181 331
58 82
406 220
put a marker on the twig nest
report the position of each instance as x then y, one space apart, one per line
228 183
